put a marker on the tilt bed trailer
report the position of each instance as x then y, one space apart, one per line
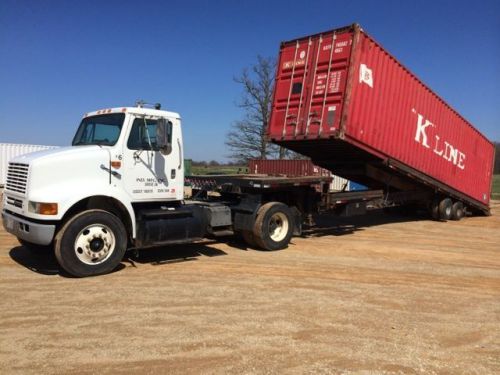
339 98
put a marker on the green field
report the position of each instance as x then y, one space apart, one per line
495 191
221 169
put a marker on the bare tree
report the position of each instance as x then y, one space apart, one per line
246 139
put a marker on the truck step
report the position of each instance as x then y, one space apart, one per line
224 232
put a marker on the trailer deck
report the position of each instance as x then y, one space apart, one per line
256 181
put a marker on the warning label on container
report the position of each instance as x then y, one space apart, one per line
333 83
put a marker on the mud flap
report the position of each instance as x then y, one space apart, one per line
297 221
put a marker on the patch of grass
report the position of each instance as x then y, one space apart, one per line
495 191
220 169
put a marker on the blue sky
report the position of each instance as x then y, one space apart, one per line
60 59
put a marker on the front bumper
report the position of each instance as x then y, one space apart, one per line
41 234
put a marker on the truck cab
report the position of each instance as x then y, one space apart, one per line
120 185
114 162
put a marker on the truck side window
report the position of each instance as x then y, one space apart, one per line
138 138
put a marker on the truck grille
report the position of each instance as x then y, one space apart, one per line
17 177
14 202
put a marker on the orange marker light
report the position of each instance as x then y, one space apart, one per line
47 208
43 208
116 164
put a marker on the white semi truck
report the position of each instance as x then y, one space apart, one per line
121 185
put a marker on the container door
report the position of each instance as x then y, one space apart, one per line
328 81
310 84
291 87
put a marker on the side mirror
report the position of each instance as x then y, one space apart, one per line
164 136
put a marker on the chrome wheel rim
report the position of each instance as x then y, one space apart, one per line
278 227
94 244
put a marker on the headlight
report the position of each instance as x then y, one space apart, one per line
43 208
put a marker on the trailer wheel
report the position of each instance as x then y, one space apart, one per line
273 226
445 209
435 209
91 243
457 211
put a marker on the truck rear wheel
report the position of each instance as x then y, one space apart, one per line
91 243
445 209
273 226
457 211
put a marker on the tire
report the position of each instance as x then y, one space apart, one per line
35 248
445 206
249 238
91 243
457 211
273 227
435 209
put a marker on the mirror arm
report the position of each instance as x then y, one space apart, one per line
180 153
147 133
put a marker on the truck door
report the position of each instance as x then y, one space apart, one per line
148 174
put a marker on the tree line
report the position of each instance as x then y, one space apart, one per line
215 163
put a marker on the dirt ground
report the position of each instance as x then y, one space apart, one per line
376 294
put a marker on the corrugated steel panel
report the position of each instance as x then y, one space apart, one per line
11 150
295 168
286 167
340 184
345 102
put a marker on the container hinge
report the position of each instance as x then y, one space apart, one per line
291 86
334 37
306 70
313 78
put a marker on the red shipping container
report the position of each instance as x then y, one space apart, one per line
286 167
346 103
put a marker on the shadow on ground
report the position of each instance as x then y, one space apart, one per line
172 254
45 263
339 226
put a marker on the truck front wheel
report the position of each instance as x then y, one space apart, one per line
91 243
273 226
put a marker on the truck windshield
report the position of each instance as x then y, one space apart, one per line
99 130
